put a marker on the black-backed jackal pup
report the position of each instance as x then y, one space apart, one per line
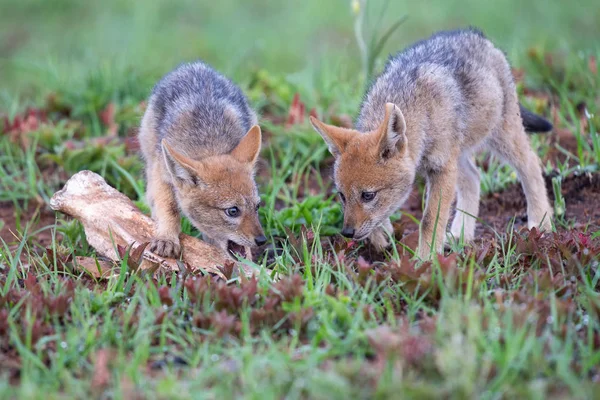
435 104
200 140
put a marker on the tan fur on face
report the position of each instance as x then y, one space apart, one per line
224 183
375 161
205 189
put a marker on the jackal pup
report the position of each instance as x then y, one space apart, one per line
200 140
436 103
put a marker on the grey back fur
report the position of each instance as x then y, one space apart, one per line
199 111
460 56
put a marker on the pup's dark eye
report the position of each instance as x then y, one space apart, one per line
367 196
342 197
233 212
257 207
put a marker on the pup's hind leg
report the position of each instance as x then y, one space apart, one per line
467 202
512 144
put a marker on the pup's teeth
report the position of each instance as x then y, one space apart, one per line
247 253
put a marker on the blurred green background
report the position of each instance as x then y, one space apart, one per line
49 43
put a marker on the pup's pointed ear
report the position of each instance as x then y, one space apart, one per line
248 149
391 135
336 138
181 168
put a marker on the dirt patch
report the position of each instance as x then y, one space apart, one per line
15 220
581 194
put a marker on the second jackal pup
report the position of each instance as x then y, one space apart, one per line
200 141
435 104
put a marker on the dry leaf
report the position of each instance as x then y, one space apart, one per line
97 268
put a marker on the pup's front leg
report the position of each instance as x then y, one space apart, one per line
441 186
380 238
165 213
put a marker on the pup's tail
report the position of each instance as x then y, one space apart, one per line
533 122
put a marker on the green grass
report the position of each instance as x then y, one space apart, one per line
475 343
49 45
514 316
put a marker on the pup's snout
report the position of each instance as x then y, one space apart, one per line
260 240
348 232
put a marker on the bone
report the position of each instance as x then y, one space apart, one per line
110 218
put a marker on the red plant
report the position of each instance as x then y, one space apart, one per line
297 112
165 296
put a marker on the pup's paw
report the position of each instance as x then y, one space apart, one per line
380 239
165 248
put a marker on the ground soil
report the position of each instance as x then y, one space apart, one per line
41 218
581 194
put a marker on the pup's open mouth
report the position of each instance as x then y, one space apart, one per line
236 250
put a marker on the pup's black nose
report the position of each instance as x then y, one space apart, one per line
260 240
348 232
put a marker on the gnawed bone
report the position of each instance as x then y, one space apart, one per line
110 218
